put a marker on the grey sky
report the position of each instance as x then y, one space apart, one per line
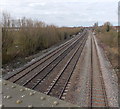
64 12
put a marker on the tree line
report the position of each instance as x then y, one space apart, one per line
25 36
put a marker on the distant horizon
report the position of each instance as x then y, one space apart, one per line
99 24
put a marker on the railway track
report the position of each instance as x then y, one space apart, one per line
52 73
35 74
58 87
47 82
40 62
98 97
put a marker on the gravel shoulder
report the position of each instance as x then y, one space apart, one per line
79 90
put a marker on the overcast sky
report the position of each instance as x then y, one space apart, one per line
64 12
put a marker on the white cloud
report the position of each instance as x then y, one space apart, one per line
64 12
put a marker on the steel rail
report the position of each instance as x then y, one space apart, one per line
59 48
51 62
33 69
40 80
62 71
102 80
60 96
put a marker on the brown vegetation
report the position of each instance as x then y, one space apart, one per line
108 35
23 37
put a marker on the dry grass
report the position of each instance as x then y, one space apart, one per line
109 42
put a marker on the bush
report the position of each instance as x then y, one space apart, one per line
24 37
110 42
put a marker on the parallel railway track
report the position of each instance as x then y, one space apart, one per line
52 73
58 87
39 62
34 75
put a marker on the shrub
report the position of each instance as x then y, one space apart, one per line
24 37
